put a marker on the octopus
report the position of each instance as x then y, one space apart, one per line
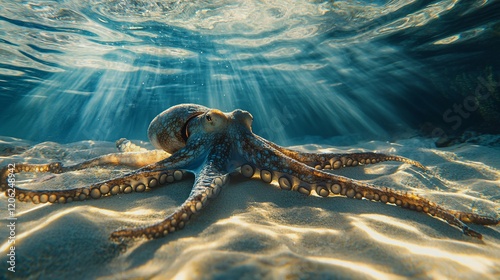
213 146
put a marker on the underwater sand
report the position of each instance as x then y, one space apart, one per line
256 231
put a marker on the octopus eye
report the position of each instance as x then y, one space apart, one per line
209 118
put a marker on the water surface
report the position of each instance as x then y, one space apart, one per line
102 69
334 73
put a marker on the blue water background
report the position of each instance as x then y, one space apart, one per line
102 69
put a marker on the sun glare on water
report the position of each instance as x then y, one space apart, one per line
111 78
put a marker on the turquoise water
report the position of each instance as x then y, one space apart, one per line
102 69
327 76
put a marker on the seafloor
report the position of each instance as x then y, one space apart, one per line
256 231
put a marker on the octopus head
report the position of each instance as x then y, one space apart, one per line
214 121
169 130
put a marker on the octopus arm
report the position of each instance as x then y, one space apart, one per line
208 183
187 158
272 165
182 158
336 161
130 159
136 182
135 159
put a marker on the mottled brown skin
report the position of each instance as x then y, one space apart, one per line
212 144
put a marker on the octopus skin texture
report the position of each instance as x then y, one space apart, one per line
212 145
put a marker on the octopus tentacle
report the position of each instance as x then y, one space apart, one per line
137 182
130 159
136 159
184 158
150 160
55 167
207 185
155 159
292 175
336 161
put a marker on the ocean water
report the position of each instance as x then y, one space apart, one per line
396 76
102 69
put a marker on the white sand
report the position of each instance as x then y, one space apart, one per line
256 231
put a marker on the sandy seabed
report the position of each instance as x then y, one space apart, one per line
257 231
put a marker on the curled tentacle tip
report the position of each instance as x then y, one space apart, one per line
122 247
420 165
121 244
473 233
